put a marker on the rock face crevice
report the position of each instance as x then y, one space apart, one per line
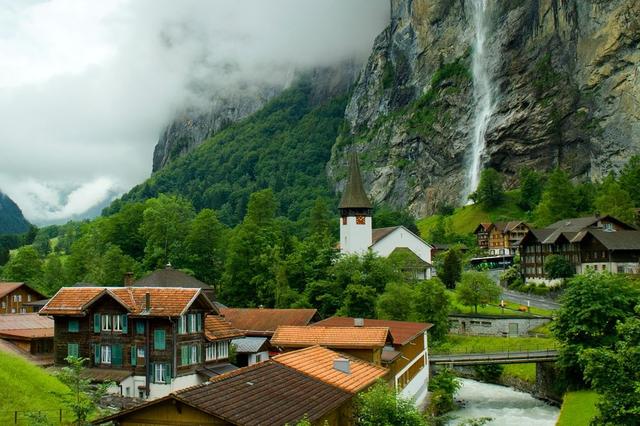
567 88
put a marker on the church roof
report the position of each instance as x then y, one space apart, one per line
354 196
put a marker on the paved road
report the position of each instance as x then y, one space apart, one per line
519 357
535 301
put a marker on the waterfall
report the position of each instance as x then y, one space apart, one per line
482 94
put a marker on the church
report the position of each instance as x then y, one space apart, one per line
357 234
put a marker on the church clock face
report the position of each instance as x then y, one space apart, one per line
360 220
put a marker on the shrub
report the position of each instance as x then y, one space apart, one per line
489 373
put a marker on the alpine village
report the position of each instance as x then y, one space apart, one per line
360 213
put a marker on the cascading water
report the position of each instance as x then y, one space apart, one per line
482 92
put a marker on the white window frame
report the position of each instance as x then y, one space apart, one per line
182 326
193 354
140 353
17 298
159 375
105 354
13 310
105 322
116 322
23 310
211 353
28 298
192 323
223 349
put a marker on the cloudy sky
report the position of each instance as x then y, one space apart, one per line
87 86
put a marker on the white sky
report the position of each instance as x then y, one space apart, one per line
86 87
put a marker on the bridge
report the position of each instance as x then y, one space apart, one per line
508 357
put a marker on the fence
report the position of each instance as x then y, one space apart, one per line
29 417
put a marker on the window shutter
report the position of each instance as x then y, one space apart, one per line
168 374
116 355
72 349
73 326
96 323
190 321
199 353
96 354
159 340
199 322
154 379
134 355
140 327
125 328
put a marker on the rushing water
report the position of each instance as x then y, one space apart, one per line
482 92
504 405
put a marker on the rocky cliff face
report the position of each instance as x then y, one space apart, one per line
197 124
11 219
565 79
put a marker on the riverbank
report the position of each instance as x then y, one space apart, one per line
578 408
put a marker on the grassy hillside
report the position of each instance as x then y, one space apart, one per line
26 387
578 408
465 219
284 146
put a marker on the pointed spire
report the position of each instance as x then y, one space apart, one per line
354 196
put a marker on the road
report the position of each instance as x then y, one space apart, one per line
535 301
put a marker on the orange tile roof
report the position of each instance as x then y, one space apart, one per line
402 332
256 321
333 337
317 362
164 301
216 328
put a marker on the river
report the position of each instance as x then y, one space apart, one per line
504 405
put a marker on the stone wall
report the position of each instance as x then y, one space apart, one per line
484 325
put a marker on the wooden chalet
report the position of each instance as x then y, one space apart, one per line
594 242
14 297
500 238
151 340
406 356
31 335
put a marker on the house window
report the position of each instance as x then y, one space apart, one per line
105 322
72 349
139 327
223 349
4 304
23 310
117 322
258 357
17 298
13 310
161 373
608 226
159 343
28 298
105 354
74 326
182 324
140 352
210 352
195 354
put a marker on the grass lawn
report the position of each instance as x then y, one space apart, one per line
511 308
465 219
26 387
481 344
526 372
578 408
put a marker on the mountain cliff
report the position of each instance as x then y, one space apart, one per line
563 89
11 219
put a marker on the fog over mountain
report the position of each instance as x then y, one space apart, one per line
87 87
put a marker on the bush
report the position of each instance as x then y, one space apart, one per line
510 276
443 386
489 373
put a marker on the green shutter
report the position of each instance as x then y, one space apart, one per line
190 322
199 353
134 355
96 323
158 340
199 322
96 354
73 326
140 327
116 355
153 372
168 374
72 349
125 328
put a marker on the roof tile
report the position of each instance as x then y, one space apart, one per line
216 328
333 337
265 321
402 332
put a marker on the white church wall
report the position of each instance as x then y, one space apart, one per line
355 238
401 237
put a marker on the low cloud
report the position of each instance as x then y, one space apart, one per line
86 87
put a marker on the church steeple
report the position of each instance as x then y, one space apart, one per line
355 213
354 196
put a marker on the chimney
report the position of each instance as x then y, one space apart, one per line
147 302
128 279
358 322
342 365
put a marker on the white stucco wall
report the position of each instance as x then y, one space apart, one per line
402 237
354 238
156 390
264 356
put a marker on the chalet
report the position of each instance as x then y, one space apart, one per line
594 242
365 343
15 296
151 340
406 357
30 335
500 238
357 235
267 393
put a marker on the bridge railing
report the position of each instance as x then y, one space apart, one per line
495 349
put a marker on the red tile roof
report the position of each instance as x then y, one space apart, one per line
264 322
216 328
402 332
332 337
164 301
318 362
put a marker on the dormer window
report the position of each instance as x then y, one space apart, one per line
608 227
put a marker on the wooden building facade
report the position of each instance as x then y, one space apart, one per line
15 296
